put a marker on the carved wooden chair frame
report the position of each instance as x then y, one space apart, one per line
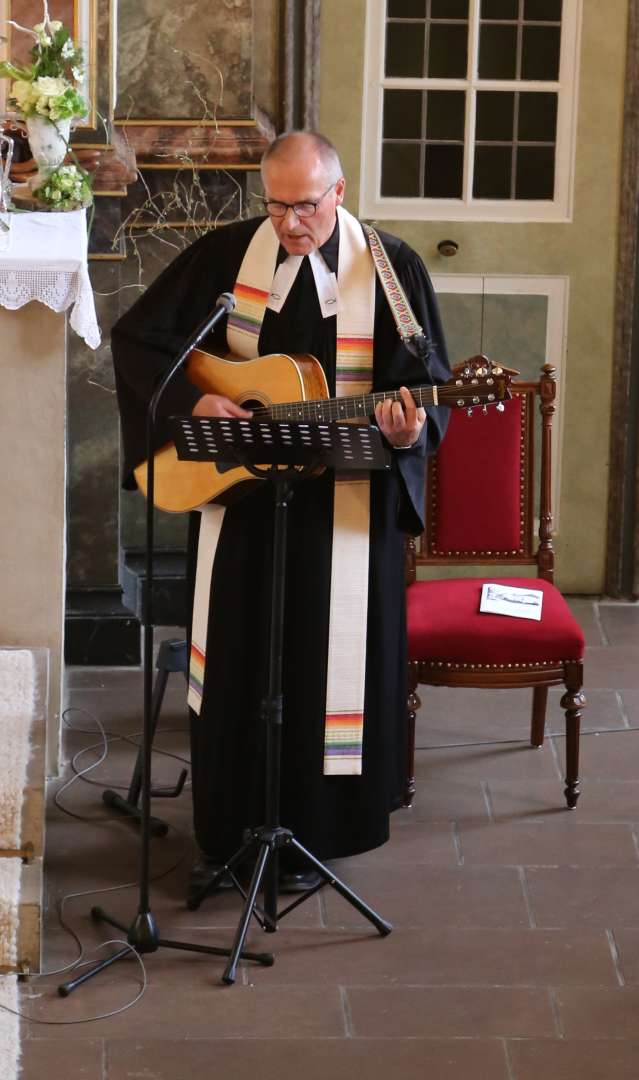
538 676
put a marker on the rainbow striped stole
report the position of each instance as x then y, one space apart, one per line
246 320
346 672
346 668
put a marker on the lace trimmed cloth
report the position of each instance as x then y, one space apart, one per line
44 257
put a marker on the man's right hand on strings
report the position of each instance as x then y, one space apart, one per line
218 405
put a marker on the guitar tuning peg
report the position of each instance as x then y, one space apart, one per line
500 406
469 412
485 410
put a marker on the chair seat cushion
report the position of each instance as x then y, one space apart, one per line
444 623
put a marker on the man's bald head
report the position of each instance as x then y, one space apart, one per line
295 146
302 169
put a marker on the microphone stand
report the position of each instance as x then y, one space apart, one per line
143 934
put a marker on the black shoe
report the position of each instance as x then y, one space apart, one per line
202 873
292 881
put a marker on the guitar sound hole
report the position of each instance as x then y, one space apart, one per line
251 403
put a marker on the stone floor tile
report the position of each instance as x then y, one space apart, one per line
429 998
431 957
603 710
86 705
573 1059
600 801
629 700
444 800
447 1013
598 1014
316 1059
410 842
620 622
78 1058
453 715
627 945
563 842
418 896
201 1010
586 612
439 956
498 761
102 678
608 668
584 897
610 756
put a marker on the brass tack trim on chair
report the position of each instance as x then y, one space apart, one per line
460 666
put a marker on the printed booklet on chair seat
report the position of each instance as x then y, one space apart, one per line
511 600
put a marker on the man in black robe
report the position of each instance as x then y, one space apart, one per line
333 816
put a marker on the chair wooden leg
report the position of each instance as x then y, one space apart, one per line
573 701
412 705
540 698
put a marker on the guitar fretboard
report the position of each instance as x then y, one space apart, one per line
346 408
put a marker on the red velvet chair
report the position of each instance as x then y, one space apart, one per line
480 510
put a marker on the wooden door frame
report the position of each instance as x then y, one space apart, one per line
622 565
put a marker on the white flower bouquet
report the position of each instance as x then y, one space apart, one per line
67 188
47 86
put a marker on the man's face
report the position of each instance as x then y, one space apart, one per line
297 179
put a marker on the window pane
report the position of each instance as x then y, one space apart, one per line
448 51
404 49
402 114
449 9
444 171
492 172
407 9
497 52
542 10
495 116
445 114
537 117
535 172
499 9
400 170
540 52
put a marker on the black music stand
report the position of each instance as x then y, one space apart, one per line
284 452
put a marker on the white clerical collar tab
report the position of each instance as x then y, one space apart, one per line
283 281
326 285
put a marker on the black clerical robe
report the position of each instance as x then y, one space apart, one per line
332 815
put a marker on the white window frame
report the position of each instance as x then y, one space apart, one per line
374 205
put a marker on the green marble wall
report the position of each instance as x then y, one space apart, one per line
185 61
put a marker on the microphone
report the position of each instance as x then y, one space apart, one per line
224 305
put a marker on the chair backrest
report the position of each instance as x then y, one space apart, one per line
481 491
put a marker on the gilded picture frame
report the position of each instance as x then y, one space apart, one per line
82 15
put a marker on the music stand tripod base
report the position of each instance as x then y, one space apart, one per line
283 453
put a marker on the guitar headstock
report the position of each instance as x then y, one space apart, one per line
477 382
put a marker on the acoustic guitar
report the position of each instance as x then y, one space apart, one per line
281 387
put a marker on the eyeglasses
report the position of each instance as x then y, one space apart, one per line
274 208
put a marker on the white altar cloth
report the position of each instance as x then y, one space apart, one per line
44 257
